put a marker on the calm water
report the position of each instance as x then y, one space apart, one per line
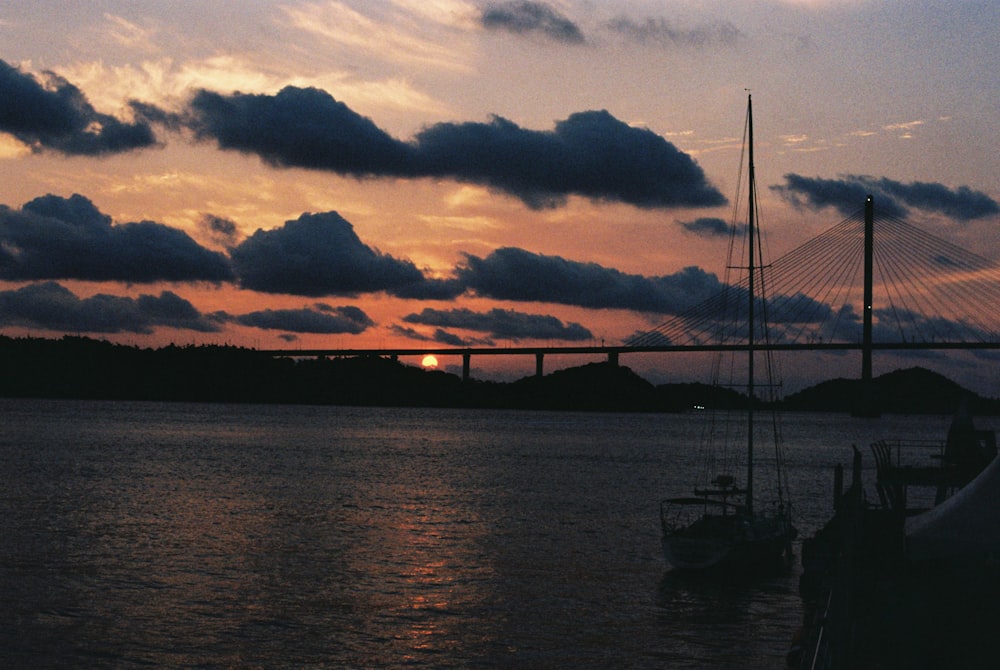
225 536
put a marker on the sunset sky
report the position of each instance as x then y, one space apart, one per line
417 173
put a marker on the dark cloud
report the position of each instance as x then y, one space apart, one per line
411 333
662 32
514 274
153 115
49 306
429 289
51 113
69 238
893 198
524 17
502 324
221 231
316 255
303 127
442 336
707 227
648 338
961 204
318 319
590 154
845 195
169 309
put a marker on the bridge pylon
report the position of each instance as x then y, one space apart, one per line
867 403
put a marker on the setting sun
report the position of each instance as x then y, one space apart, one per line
429 361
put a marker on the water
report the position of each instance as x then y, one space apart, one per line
228 536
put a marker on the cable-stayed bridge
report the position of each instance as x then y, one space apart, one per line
925 292
867 284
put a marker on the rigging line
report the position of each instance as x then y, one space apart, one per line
858 269
827 266
885 264
938 244
688 319
803 259
805 295
802 277
945 308
813 247
892 304
805 306
893 272
801 281
963 295
900 282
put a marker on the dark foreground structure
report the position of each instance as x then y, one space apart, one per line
911 581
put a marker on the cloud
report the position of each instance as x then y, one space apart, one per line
962 203
662 32
590 154
320 318
707 227
316 255
303 127
50 306
893 198
69 238
220 230
51 113
422 34
502 324
844 195
410 333
514 274
523 17
429 289
442 336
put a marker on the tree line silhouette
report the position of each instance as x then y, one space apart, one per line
84 368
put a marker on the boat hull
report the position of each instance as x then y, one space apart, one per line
738 544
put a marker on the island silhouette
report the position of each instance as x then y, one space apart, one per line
85 368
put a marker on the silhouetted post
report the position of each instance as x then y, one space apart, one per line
538 364
613 358
466 366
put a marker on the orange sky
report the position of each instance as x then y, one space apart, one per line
623 122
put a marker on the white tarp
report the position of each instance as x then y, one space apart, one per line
965 525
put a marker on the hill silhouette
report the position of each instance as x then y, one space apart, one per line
911 391
77 367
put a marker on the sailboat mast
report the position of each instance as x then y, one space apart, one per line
751 236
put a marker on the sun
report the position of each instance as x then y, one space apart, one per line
430 361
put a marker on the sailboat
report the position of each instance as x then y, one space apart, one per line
724 525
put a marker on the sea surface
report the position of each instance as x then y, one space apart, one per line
245 536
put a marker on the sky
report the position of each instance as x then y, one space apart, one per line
411 173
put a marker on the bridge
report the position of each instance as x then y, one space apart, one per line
917 292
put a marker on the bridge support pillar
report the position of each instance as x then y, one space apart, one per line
868 404
466 366
394 357
538 364
613 358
